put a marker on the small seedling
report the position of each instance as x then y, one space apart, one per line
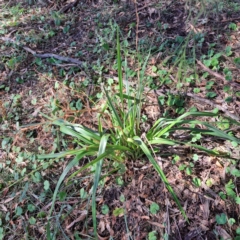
46 185
233 26
221 219
83 193
105 209
152 235
18 211
231 221
31 208
211 94
122 198
195 157
197 182
32 220
119 181
62 196
154 208
118 212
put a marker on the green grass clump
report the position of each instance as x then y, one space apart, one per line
125 140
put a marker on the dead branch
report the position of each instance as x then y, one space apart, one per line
206 101
215 74
69 6
44 55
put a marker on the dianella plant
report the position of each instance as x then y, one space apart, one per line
125 139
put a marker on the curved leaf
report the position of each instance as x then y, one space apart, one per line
102 148
160 172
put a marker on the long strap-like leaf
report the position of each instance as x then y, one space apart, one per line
102 148
146 151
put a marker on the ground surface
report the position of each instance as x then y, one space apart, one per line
85 31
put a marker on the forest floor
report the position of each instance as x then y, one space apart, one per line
55 58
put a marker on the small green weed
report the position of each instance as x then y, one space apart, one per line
57 17
154 208
222 219
152 235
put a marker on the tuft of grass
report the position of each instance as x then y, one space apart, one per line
125 140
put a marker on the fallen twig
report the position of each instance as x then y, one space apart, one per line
226 112
68 6
44 55
215 74
230 20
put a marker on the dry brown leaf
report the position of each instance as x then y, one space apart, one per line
3 207
109 229
80 218
101 226
157 224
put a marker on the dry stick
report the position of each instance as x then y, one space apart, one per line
68 6
44 55
215 74
227 113
230 20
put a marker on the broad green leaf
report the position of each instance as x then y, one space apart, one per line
105 209
119 181
83 193
122 198
195 157
211 94
238 230
32 220
31 207
154 208
19 211
237 200
152 235
118 212
231 221
237 61
235 172
41 215
221 219
154 69
188 170
229 187
197 182
62 196
46 185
